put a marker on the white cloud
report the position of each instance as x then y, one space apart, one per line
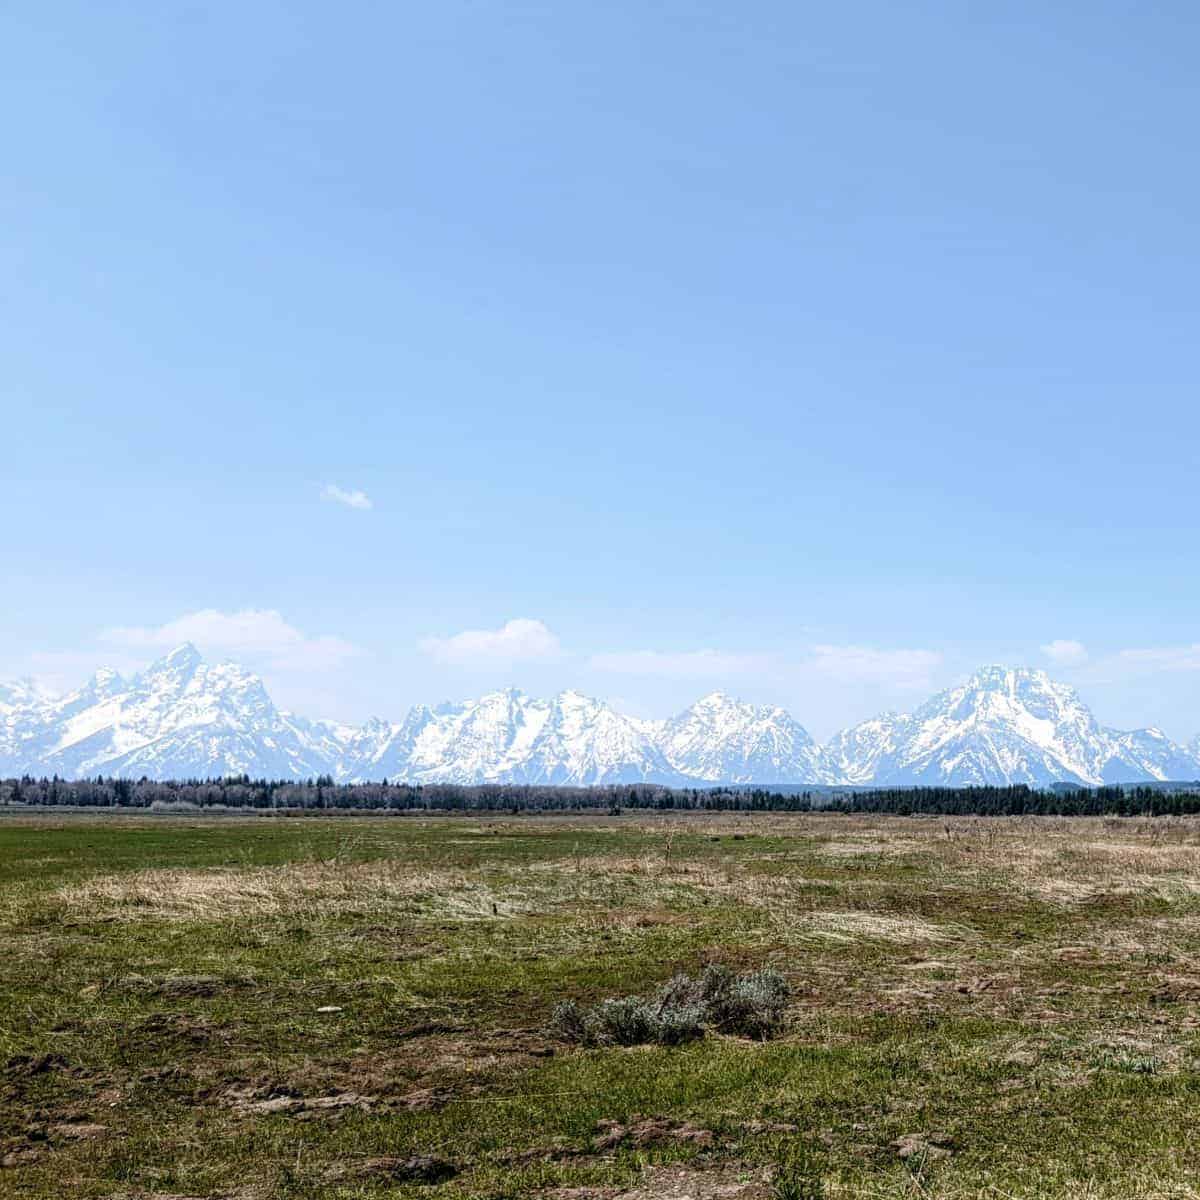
687 664
517 640
1064 652
351 499
863 664
1164 658
260 634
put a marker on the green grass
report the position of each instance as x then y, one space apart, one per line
1018 995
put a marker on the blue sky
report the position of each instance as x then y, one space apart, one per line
819 353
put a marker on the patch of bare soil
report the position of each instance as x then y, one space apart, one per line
422 1100
47 1134
679 1183
322 1096
272 1098
25 1066
77 1131
162 1030
268 1101
926 1146
650 1131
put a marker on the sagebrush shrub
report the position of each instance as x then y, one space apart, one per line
628 1021
750 1005
569 1021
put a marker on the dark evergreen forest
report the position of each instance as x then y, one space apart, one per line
241 792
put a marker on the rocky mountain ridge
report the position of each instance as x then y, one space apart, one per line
183 718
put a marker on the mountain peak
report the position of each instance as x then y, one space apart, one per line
105 681
181 717
996 676
19 693
183 657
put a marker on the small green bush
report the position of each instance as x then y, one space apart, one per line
750 1005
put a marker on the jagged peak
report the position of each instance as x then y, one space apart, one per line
995 674
184 657
509 695
574 698
1004 722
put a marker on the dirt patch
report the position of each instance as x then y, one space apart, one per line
172 1031
423 1100
678 1183
732 1182
77 1131
257 1101
650 1131
25 1066
926 1146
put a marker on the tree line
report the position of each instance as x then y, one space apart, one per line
322 793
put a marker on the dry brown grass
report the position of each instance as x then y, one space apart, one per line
856 926
300 889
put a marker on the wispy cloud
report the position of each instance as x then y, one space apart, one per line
351 499
1163 658
521 639
1063 652
687 664
259 634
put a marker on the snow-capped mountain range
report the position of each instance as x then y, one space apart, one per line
184 718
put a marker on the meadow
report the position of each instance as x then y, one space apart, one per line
359 1006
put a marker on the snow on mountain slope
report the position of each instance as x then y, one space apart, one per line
183 717
1002 726
1147 754
19 700
21 694
723 740
866 752
180 717
582 741
364 750
509 737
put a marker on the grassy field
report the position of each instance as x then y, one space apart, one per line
298 1007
